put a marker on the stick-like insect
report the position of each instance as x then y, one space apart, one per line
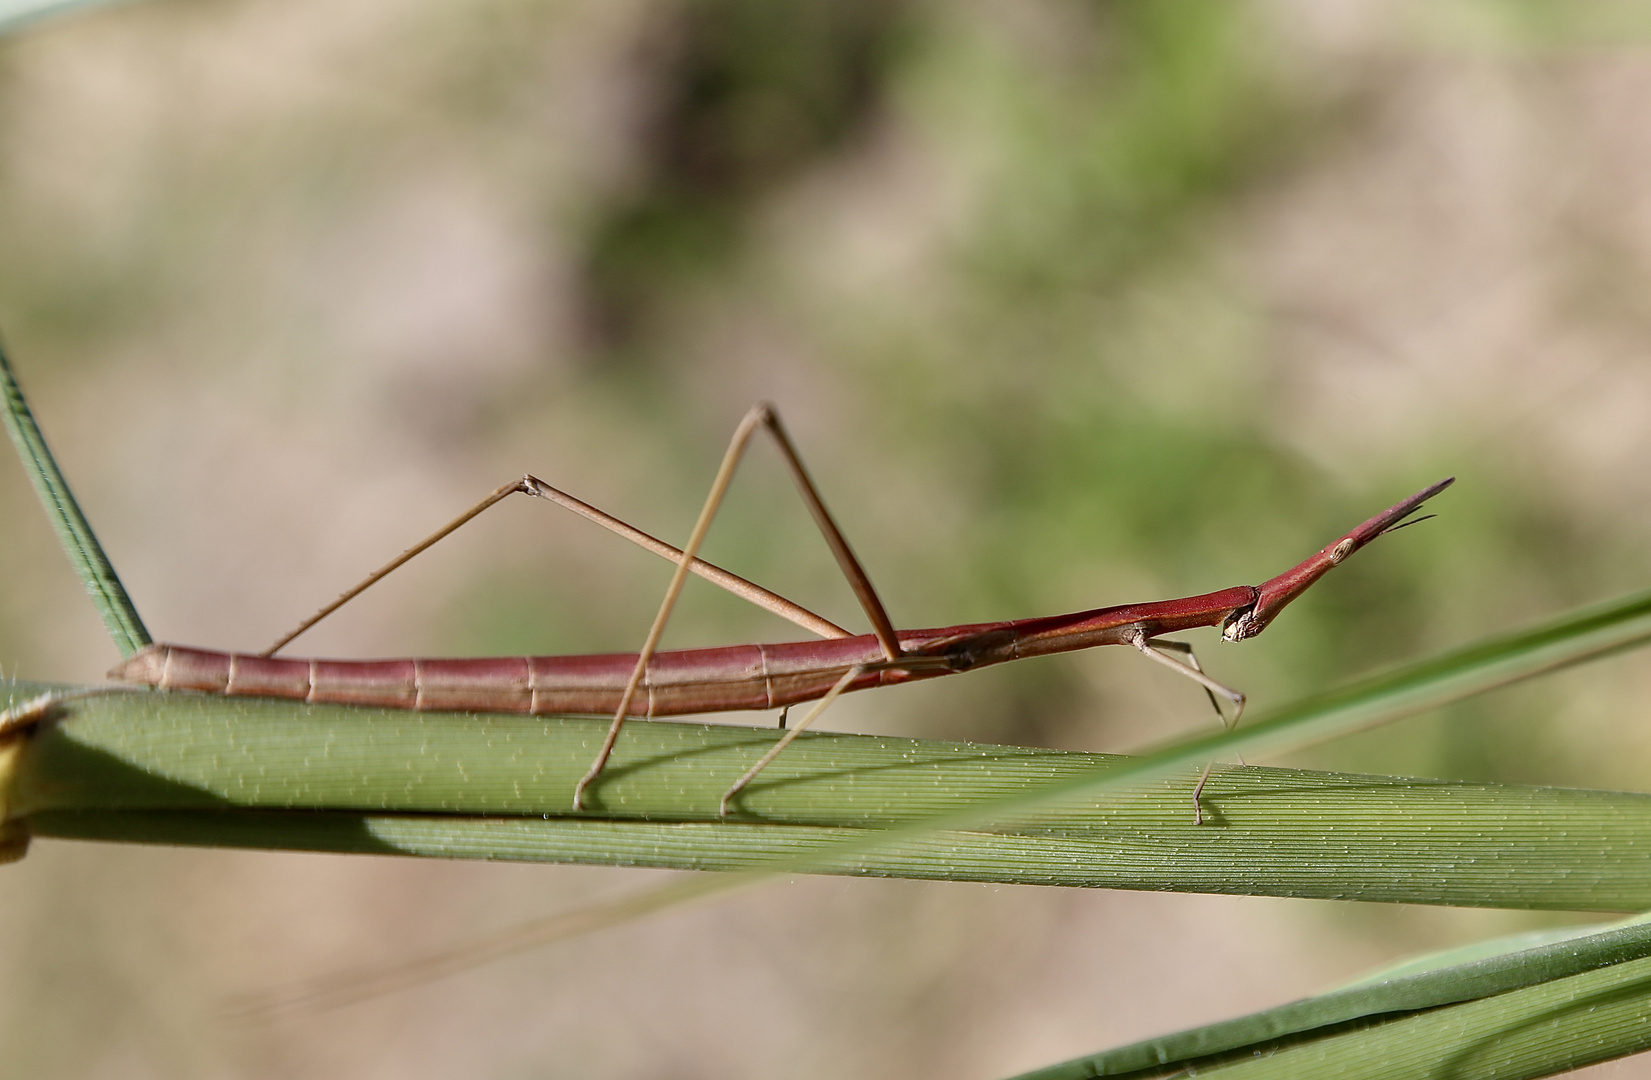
655 683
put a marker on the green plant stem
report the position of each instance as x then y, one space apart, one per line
73 531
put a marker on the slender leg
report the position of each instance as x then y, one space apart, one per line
764 417
1192 660
1203 777
716 575
774 751
378 575
1198 793
783 714
856 574
1167 645
1153 647
532 485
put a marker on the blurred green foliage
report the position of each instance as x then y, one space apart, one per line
747 95
1067 303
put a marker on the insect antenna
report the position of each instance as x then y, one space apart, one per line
1395 527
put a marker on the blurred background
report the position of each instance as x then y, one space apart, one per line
1066 303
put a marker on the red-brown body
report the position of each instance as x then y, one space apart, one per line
676 683
738 676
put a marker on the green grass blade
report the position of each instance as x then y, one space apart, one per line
1560 940
1520 1012
1538 1031
186 768
73 531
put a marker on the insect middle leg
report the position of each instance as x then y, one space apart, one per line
791 733
762 417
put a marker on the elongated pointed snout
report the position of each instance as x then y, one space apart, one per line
1271 596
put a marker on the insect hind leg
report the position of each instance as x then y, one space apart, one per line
762 417
791 733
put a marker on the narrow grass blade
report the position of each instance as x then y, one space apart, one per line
73 532
1555 941
1537 1031
1326 1018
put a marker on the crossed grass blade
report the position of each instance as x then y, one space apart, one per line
1509 1009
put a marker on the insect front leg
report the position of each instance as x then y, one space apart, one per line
1160 649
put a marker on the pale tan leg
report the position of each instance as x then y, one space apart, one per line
532 485
761 416
1153 647
716 575
791 733
382 572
